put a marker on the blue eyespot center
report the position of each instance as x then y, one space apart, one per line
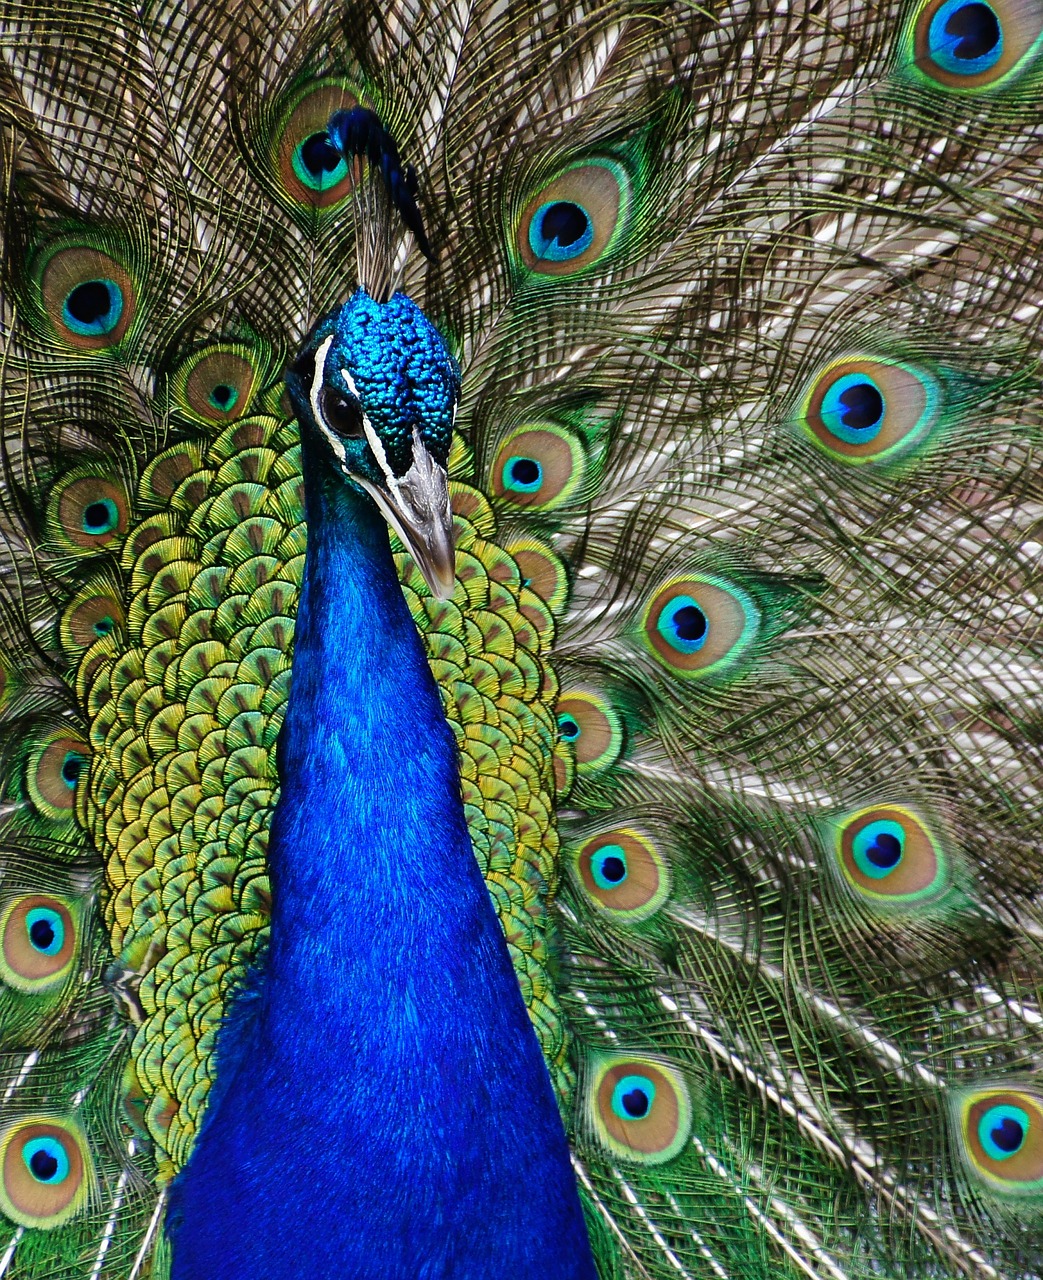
104 626
46 1160
525 475
94 307
853 409
223 397
318 164
71 767
885 851
965 39
100 517
46 930
568 728
632 1097
684 625
560 230
1002 1131
609 866
878 848
319 156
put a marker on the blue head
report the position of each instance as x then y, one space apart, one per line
377 385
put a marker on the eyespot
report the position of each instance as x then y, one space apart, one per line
87 512
38 937
575 219
966 44
863 410
543 571
342 415
623 872
53 774
217 385
88 297
640 1109
699 625
592 726
312 171
91 616
887 854
46 1171
1001 1134
538 466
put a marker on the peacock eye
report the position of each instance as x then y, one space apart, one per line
1001 1132
965 38
590 723
889 856
863 410
38 942
568 727
318 164
45 1172
684 625
640 1109
93 308
575 219
46 1160
342 415
632 1097
538 466
967 44
560 230
608 866
310 170
623 873
45 928
697 625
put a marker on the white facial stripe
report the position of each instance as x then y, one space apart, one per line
377 445
316 382
314 393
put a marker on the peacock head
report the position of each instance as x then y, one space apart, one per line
378 387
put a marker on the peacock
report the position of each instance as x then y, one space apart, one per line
520 689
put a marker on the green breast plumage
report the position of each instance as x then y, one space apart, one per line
186 699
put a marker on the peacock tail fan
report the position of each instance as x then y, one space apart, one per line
742 653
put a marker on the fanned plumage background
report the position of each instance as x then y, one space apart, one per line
779 198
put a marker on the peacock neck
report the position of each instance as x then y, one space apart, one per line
386 1110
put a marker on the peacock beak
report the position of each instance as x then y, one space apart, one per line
416 505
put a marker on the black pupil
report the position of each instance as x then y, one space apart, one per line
103 626
96 515
525 471
1008 1134
565 222
976 28
863 406
613 869
342 415
635 1103
88 303
690 623
43 1165
222 394
71 769
569 728
41 934
885 851
319 155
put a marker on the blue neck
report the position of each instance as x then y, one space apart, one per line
383 1109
